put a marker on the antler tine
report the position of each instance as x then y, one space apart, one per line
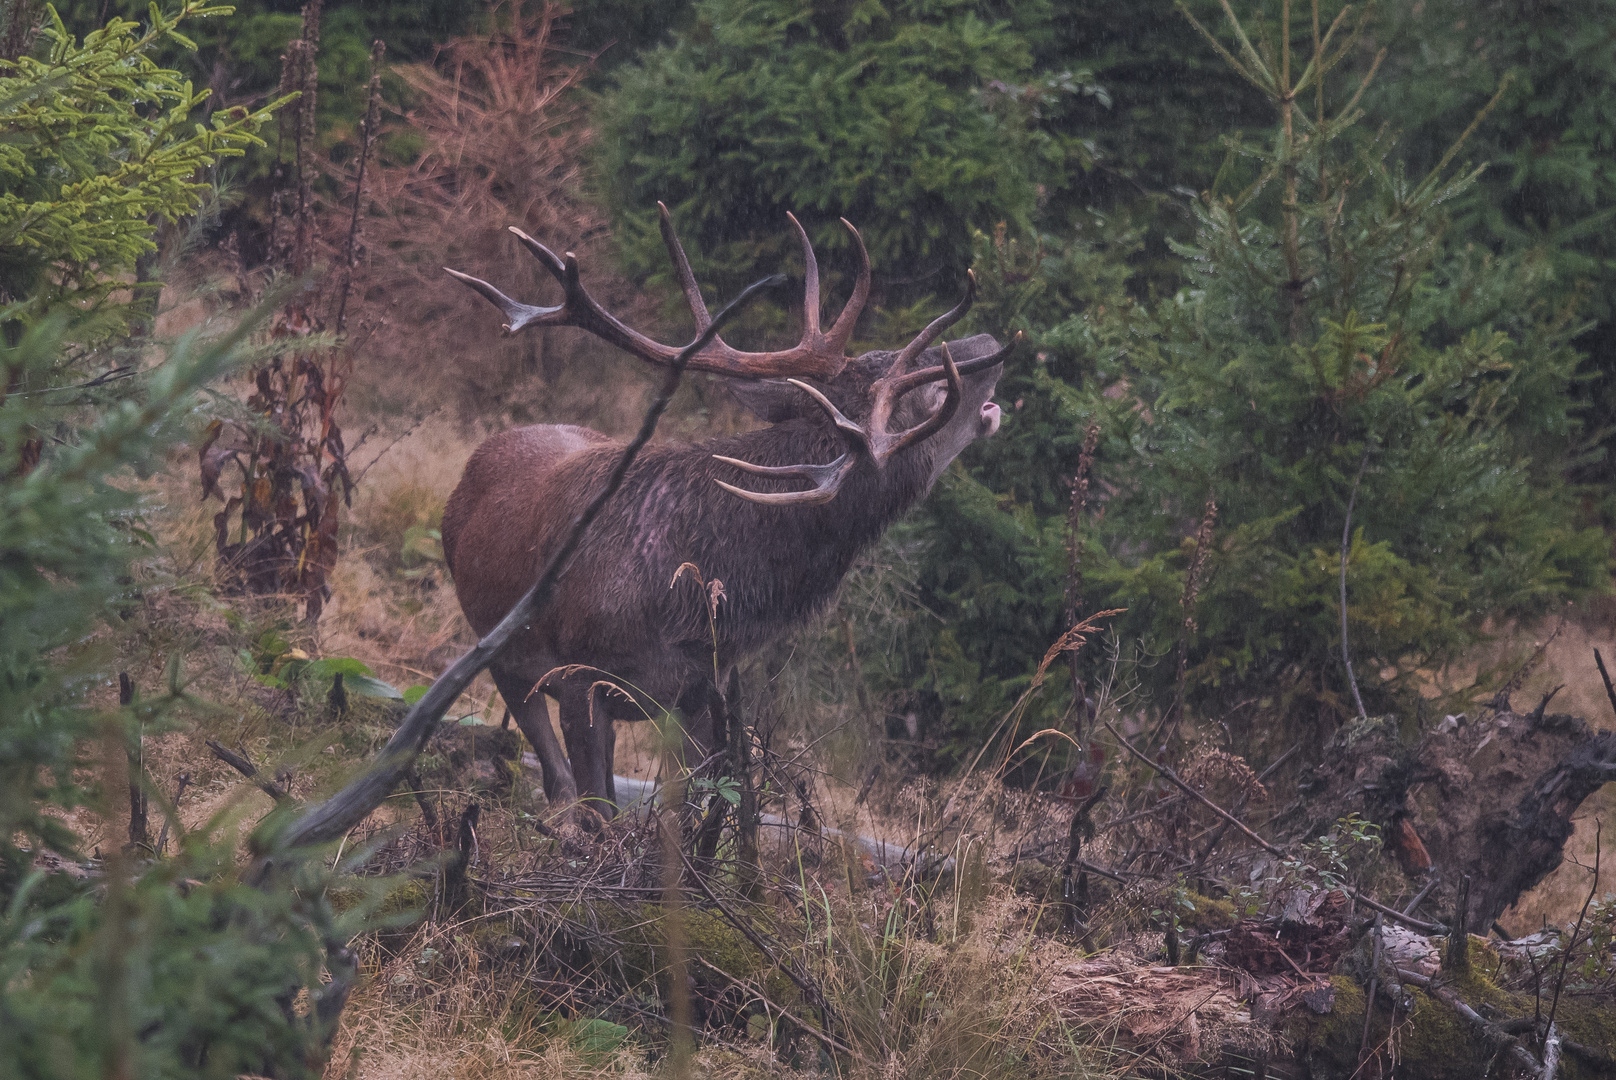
551 261
681 266
923 340
981 363
933 423
841 330
856 436
518 313
810 284
827 481
998 356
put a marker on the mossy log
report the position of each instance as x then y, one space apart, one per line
1433 1040
1214 1020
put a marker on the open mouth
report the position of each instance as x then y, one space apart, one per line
987 421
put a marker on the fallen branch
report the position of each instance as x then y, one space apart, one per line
248 769
348 807
1506 1042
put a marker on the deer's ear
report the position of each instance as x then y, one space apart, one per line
770 400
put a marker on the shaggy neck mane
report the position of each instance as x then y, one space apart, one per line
779 564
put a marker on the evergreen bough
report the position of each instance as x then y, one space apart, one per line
1329 321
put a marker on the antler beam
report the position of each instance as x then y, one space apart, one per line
818 355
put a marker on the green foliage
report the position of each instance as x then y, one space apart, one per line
68 530
273 662
98 144
1444 369
177 968
182 972
1551 191
900 117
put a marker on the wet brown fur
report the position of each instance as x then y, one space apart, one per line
614 609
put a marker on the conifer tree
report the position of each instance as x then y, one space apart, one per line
1332 344
122 966
914 120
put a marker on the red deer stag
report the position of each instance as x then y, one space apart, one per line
868 436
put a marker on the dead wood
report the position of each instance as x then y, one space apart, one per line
246 768
1491 797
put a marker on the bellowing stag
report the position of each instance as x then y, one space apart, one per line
867 435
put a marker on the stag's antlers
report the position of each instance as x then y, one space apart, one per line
817 355
872 440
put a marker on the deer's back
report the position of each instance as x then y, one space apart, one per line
502 512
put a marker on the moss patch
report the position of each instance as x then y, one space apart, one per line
1433 1041
636 939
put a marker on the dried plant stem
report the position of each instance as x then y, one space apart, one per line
1524 672
1192 591
1346 547
367 139
1074 558
669 804
748 866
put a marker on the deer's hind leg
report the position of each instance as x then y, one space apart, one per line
586 722
532 715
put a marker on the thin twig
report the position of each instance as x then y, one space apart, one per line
1346 544
1374 986
1565 957
1420 896
179 790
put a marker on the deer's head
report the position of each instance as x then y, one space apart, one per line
928 399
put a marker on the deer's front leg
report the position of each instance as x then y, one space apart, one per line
533 718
